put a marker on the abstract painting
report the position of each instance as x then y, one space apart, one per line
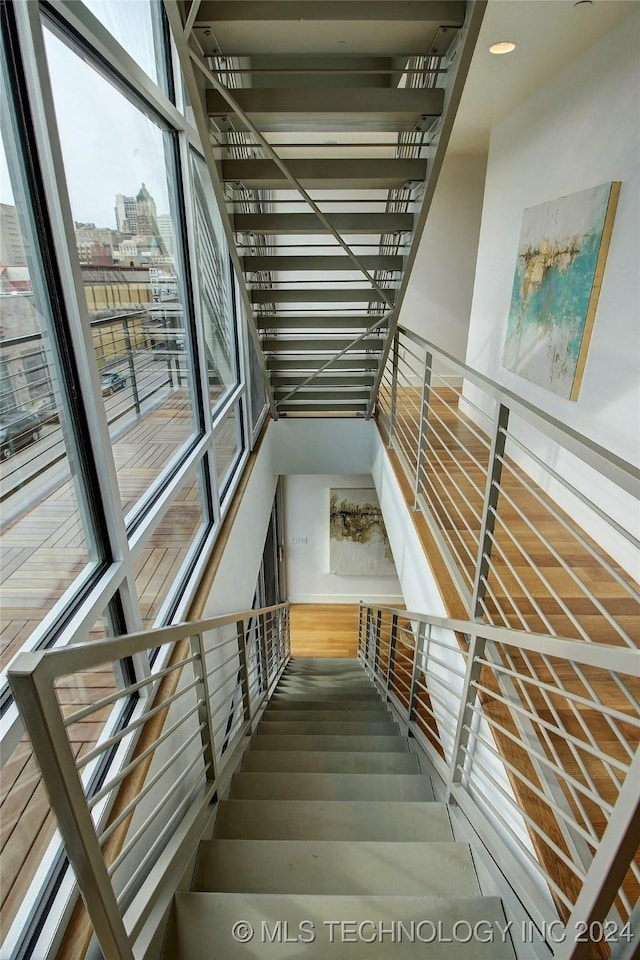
358 544
561 258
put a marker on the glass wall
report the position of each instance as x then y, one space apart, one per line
123 394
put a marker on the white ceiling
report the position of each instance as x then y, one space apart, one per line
549 34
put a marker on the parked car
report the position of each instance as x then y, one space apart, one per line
17 429
112 382
46 410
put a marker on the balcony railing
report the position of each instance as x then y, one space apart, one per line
557 807
132 808
532 518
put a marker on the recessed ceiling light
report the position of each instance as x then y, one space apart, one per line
583 3
504 46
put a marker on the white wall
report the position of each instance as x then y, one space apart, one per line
309 577
322 445
580 129
438 298
235 582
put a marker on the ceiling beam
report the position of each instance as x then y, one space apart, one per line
327 344
315 295
366 173
357 362
441 12
306 224
360 102
314 264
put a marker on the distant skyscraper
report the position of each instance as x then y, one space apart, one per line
126 214
165 227
146 215
11 245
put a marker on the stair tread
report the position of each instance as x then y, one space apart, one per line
330 786
352 728
330 761
340 819
302 703
344 867
376 714
270 741
367 695
204 923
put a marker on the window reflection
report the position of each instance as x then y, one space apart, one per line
135 24
45 545
215 288
157 568
228 446
121 171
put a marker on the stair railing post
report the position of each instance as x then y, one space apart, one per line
466 712
491 497
35 698
263 651
422 435
244 670
360 625
393 639
376 656
204 704
415 669
286 617
367 637
394 386
615 854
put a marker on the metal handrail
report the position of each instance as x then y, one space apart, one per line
443 676
193 751
612 466
476 457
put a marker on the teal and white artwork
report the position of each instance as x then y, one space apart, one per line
561 257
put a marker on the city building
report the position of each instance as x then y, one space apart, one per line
323 309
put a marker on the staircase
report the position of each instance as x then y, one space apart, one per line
331 844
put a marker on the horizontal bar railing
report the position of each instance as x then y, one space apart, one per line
544 763
168 746
528 543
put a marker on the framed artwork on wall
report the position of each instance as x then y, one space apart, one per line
561 259
358 542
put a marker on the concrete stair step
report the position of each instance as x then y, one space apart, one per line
330 786
351 728
342 868
368 694
329 761
309 703
338 820
204 926
316 665
355 744
376 715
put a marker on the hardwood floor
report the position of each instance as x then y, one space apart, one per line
324 630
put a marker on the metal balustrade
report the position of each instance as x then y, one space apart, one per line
507 492
547 777
132 808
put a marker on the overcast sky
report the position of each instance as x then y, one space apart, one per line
108 146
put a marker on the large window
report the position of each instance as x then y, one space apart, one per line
47 542
122 178
123 398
